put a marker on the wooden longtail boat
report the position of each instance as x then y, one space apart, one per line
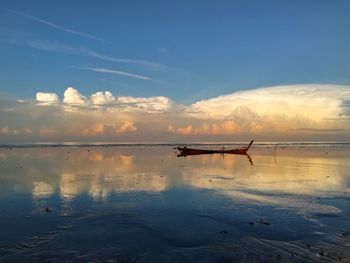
184 151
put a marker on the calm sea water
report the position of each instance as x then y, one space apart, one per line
144 204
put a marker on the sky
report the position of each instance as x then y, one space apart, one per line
174 71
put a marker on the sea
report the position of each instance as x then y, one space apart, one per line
110 202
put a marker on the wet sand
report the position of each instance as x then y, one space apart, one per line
143 204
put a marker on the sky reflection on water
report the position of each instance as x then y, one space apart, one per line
159 206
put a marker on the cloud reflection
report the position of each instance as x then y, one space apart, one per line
298 175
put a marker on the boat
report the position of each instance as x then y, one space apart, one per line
184 151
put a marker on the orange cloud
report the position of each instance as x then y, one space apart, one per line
319 110
103 129
49 132
127 126
227 127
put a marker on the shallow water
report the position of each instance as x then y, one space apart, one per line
144 204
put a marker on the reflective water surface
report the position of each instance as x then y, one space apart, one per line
144 204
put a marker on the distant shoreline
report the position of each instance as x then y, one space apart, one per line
100 144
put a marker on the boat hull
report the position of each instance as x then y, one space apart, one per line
184 151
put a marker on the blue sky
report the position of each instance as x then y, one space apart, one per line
185 50
146 71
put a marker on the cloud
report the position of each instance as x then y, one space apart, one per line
227 127
281 107
116 72
7 130
346 109
4 130
50 24
109 129
102 98
105 100
150 105
86 52
289 100
274 109
294 112
73 97
46 98
128 126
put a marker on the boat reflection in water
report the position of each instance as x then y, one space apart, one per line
143 204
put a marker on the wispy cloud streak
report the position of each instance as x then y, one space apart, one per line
116 72
53 25
86 52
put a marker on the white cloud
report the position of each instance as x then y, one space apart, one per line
312 101
102 98
46 98
280 109
123 103
86 52
284 112
150 105
116 72
10 131
73 97
107 101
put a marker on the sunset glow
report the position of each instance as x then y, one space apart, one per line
295 112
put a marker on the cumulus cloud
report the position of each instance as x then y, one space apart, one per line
73 97
7 130
46 98
4 130
127 126
316 101
102 98
226 127
109 129
293 112
151 104
278 109
107 101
